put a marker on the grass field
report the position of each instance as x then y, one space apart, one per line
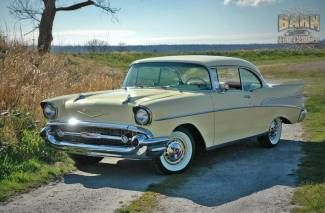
26 79
122 60
311 173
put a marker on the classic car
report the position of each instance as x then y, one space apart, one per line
169 108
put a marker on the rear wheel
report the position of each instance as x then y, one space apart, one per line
272 137
179 153
83 160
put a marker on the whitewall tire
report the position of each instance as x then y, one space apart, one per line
179 154
273 136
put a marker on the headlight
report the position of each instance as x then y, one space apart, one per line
49 111
142 115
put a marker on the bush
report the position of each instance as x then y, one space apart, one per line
21 147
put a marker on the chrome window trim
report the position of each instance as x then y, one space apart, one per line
257 74
254 73
178 62
213 78
216 70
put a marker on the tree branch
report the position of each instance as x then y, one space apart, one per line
102 4
105 5
76 6
24 10
34 28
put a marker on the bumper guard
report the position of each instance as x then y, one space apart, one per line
147 146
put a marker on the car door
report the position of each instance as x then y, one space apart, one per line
231 106
254 91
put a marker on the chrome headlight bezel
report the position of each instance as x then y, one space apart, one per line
49 110
142 115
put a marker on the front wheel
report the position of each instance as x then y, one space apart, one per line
179 153
272 137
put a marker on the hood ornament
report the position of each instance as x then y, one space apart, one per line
88 115
80 97
127 100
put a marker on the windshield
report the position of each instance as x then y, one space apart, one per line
180 76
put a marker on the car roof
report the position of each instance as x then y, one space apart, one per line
208 61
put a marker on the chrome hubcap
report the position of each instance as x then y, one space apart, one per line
175 151
275 131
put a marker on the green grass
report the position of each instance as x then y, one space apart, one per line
148 201
25 160
123 59
310 195
35 174
119 60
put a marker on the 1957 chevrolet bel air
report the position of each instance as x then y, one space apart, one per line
171 107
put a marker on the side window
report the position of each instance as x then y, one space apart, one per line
229 77
249 80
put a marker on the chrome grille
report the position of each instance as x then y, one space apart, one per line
94 135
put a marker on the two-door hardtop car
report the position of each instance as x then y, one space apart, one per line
169 108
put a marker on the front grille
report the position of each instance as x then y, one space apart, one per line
94 135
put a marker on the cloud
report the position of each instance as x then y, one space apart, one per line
249 3
96 32
80 37
208 39
129 37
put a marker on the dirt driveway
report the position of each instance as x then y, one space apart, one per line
241 177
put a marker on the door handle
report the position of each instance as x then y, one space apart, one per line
247 96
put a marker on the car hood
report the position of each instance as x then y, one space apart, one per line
124 96
107 106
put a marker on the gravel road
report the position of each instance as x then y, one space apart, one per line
238 178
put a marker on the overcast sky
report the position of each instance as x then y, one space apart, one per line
170 21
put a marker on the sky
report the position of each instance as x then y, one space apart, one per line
149 22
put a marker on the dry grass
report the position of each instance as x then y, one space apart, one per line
26 78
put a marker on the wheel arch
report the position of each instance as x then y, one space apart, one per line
285 120
199 140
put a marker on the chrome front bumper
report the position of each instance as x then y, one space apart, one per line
142 144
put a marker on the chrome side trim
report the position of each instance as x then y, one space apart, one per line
226 109
183 115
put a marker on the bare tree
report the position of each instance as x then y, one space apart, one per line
96 45
42 14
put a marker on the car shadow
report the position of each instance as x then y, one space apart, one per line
216 177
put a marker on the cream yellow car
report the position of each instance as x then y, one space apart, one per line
169 108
